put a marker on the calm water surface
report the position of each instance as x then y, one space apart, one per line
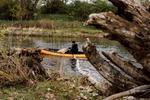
63 65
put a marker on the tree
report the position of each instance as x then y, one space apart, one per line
18 9
131 27
6 8
26 9
103 5
81 10
55 7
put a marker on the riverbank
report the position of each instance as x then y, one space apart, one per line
50 25
56 88
39 32
23 77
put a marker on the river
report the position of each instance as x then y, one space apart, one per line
65 66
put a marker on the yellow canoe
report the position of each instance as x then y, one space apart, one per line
57 54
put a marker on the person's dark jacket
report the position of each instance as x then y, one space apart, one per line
74 48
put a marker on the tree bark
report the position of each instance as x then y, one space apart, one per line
129 67
107 69
131 27
133 11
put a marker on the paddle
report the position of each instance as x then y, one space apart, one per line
63 50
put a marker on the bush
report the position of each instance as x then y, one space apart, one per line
81 10
17 9
78 9
6 9
54 7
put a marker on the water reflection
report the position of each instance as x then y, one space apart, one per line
73 64
58 43
61 65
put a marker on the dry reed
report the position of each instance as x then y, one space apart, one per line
19 70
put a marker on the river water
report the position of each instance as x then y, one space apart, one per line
65 66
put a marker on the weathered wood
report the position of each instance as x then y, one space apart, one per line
107 69
125 32
131 27
133 11
120 29
140 89
129 68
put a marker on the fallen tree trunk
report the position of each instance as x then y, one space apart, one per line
129 67
121 73
123 31
107 69
131 27
132 10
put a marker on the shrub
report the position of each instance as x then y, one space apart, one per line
54 7
6 9
81 10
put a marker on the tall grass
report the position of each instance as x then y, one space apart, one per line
12 71
48 23
45 21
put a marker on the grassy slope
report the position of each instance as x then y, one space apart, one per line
59 89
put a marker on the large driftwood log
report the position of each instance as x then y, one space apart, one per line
129 67
123 31
107 69
121 73
131 27
132 10
135 37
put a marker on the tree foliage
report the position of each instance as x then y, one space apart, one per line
6 9
26 9
54 7
17 9
78 9
81 10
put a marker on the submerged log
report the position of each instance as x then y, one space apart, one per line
131 27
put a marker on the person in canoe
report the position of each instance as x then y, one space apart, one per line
74 48
71 50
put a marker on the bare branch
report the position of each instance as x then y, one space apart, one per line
140 89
